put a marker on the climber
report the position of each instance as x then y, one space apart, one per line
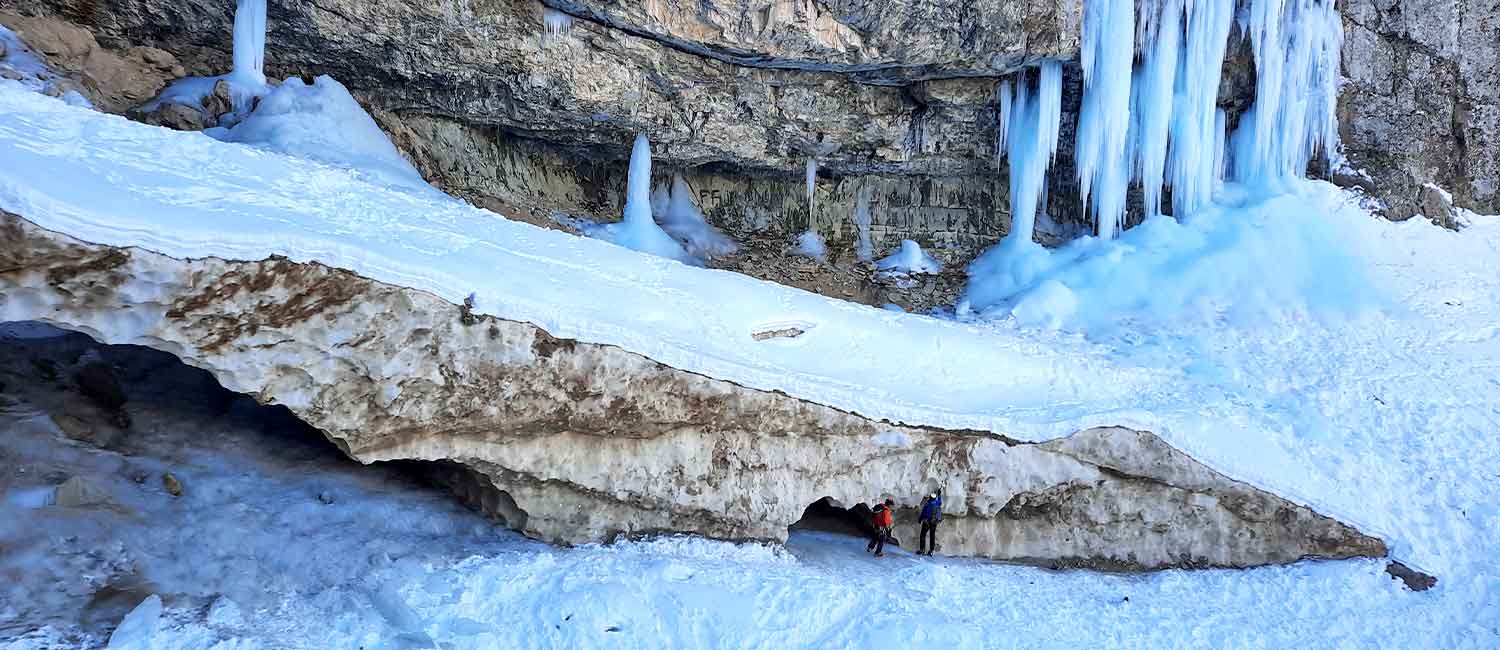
882 521
932 513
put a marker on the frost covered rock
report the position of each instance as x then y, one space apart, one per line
136 630
112 79
573 442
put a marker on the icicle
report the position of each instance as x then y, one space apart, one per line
1195 138
556 23
1221 149
1003 93
1296 45
250 41
1153 100
812 183
864 249
1104 119
1034 125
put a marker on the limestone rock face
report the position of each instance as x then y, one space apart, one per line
1421 101
743 91
574 442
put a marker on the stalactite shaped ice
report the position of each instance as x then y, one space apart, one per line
863 248
812 184
1155 87
1005 96
1104 118
1195 163
556 23
1296 45
1035 118
250 41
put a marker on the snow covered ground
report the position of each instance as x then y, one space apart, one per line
280 543
1360 375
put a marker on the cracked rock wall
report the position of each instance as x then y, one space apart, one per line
574 442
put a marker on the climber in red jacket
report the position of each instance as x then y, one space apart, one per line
882 520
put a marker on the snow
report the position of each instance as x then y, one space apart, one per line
910 259
638 230
323 122
392 565
1210 266
680 217
1310 349
810 244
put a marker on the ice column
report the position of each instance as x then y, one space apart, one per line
1031 131
1296 45
638 185
812 184
1104 118
1154 92
1197 124
250 41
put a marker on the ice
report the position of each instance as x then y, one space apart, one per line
1104 117
810 244
250 41
556 23
812 184
139 626
638 230
32 72
1030 127
909 259
1296 45
1196 158
323 122
863 248
682 219
1154 90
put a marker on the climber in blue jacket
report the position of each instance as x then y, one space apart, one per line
932 513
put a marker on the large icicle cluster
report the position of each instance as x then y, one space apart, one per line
1296 44
1029 125
1156 122
1149 115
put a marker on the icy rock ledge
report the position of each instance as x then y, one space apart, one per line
573 442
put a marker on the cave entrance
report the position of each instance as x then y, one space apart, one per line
829 516
141 402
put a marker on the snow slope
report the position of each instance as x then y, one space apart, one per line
1382 417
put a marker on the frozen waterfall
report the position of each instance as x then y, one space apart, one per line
1030 121
1157 123
250 42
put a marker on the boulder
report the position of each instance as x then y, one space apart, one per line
176 116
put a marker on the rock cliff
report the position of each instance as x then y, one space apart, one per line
574 442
